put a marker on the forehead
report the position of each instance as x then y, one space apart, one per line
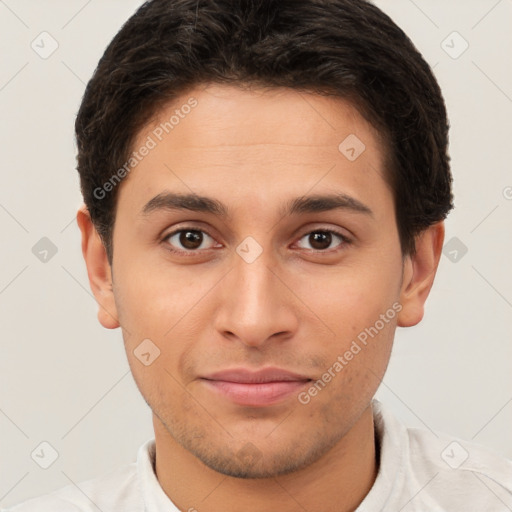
261 144
265 115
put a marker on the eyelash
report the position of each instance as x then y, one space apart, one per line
193 252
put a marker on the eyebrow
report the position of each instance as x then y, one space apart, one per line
297 206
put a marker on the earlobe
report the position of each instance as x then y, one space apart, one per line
419 273
98 270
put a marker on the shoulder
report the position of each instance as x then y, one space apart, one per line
116 490
467 466
449 473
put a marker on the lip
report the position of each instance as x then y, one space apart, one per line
256 388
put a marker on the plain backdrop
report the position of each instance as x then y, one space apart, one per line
65 380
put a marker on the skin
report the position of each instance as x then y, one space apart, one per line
298 306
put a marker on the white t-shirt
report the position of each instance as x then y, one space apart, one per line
418 472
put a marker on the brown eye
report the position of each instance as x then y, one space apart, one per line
184 240
190 239
321 240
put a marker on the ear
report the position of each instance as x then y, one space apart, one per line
98 270
418 274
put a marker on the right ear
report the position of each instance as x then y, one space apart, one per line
98 269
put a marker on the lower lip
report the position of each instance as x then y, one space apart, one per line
257 394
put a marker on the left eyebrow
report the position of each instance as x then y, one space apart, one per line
297 206
323 203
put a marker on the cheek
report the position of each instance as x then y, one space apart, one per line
359 306
150 301
348 298
354 372
155 314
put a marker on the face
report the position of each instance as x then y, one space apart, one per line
268 309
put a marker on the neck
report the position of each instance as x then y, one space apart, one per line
339 480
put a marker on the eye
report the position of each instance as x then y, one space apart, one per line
190 240
321 239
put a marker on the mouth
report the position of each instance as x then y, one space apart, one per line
261 388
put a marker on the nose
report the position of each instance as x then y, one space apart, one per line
256 305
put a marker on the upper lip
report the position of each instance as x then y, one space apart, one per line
243 375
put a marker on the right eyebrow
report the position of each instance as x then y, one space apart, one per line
193 202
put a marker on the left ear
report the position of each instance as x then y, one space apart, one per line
418 274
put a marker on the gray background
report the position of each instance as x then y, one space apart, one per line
65 380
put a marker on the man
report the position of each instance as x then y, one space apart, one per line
265 184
